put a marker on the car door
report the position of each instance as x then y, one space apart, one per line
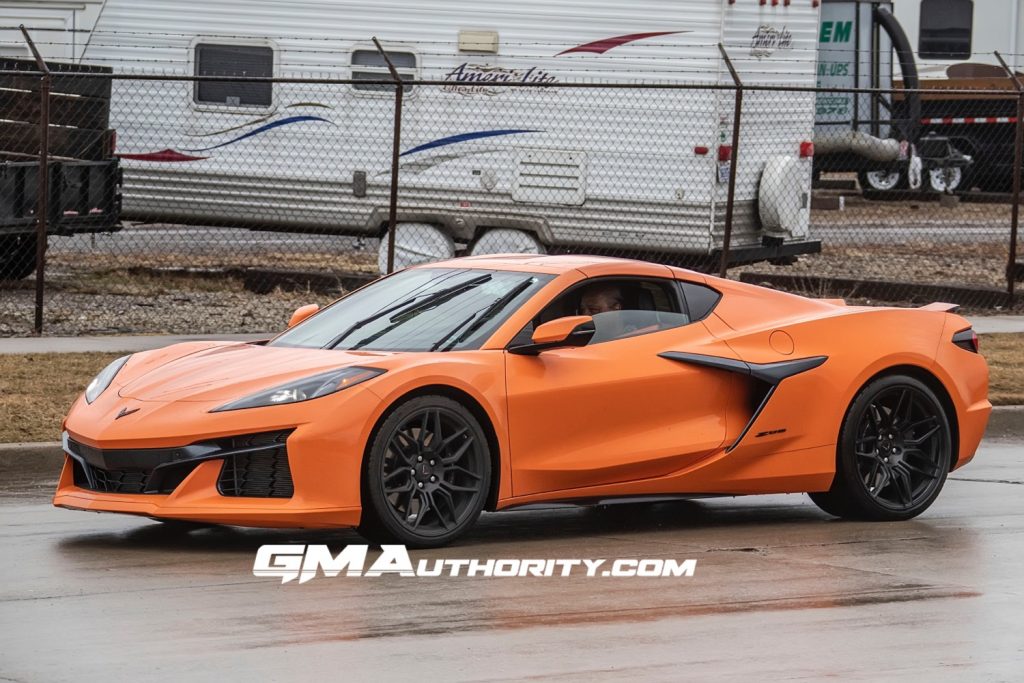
614 411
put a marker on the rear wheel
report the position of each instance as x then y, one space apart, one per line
427 475
948 180
17 256
895 450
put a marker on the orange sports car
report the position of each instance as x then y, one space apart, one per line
414 403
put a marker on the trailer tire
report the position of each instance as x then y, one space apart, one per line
875 183
506 241
17 256
416 243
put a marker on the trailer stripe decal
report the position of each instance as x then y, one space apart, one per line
599 47
949 120
263 129
466 137
163 155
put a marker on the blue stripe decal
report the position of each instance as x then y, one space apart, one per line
262 129
465 137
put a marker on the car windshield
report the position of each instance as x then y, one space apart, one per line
420 309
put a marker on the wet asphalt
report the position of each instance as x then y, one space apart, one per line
781 591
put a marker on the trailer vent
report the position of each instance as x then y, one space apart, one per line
550 177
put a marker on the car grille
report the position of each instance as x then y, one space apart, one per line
260 471
137 479
261 474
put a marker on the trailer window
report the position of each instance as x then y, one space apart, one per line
946 29
234 60
370 65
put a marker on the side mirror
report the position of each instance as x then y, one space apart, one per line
302 313
574 330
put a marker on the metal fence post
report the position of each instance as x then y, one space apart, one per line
1018 161
723 266
395 152
42 201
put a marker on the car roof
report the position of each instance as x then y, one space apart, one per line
556 265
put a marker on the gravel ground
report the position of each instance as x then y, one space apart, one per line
105 284
180 306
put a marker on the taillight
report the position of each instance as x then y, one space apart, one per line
967 340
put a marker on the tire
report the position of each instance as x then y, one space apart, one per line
877 182
17 256
895 450
427 476
949 181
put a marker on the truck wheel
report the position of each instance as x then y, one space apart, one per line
872 182
17 256
948 180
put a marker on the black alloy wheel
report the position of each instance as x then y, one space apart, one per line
427 475
895 451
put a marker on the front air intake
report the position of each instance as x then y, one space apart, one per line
262 473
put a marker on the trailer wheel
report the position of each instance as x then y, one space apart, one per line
17 256
881 181
416 243
948 180
506 241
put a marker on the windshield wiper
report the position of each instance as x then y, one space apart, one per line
411 310
397 307
487 314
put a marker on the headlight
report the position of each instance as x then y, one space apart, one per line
100 383
304 389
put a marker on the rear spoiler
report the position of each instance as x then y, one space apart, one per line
941 307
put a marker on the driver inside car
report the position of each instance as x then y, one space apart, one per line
601 299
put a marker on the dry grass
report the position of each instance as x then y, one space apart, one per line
1005 356
38 389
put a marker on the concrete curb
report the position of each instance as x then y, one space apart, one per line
1007 422
31 458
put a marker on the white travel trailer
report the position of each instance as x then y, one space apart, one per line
484 168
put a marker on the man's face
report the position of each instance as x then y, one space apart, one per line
600 301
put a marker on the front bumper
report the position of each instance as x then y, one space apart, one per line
179 461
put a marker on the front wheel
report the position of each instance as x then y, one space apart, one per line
872 182
894 453
427 475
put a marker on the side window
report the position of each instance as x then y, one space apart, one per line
699 300
621 308
370 65
212 59
945 29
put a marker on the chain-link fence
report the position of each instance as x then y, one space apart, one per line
200 202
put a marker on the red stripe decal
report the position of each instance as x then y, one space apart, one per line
164 155
599 47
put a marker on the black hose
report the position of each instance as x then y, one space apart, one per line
905 54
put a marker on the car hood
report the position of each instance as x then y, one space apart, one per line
231 371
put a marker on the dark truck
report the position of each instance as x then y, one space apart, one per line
84 175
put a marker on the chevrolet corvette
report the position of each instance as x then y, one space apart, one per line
411 405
